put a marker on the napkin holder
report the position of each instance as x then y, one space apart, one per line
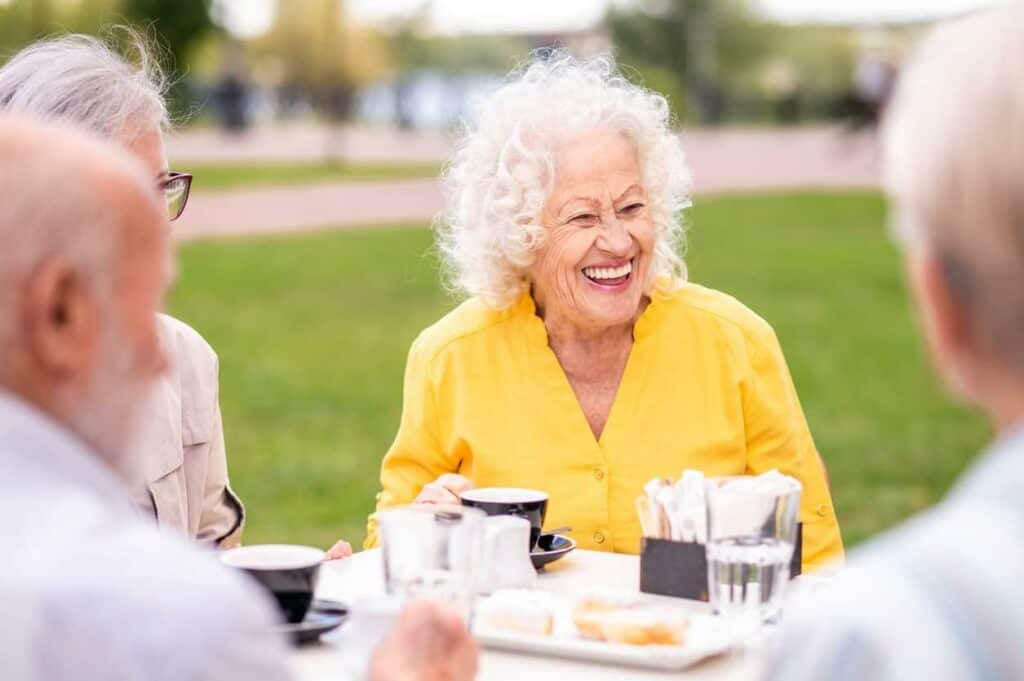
680 569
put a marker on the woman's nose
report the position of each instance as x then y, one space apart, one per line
615 238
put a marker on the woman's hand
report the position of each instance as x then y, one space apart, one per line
342 549
445 490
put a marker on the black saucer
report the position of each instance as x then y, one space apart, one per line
550 547
323 616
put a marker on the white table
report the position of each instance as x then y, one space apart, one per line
360 576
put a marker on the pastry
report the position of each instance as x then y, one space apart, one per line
644 626
518 610
626 619
590 611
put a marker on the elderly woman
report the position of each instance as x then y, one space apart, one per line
182 477
583 364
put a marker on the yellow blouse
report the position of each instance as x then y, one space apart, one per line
705 387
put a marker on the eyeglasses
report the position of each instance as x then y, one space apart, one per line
175 189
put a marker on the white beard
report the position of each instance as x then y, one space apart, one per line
106 414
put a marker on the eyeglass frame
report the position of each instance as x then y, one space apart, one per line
172 177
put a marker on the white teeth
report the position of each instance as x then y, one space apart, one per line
608 272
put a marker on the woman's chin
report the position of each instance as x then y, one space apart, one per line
613 310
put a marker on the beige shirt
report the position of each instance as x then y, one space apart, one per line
183 474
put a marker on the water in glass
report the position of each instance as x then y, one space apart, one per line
751 534
747 576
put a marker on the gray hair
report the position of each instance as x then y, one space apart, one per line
954 143
503 170
81 79
58 208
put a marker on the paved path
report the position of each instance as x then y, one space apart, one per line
309 207
723 161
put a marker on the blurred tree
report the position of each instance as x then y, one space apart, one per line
180 24
415 51
313 48
823 56
173 29
664 82
319 56
40 16
458 54
414 48
23 21
14 26
806 75
703 45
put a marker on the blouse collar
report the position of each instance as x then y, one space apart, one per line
526 308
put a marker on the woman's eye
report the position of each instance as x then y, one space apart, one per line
583 217
632 208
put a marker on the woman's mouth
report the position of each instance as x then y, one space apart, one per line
610 277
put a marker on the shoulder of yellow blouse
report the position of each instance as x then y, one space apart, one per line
471 318
691 299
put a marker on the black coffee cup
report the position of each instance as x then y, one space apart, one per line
290 573
531 504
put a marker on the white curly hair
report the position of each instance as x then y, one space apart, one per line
503 170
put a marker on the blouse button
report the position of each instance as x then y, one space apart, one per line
822 510
598 474
599 537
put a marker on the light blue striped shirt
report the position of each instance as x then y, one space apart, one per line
90 591
939 598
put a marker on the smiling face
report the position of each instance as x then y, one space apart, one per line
591 269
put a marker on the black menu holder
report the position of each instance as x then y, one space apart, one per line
680 569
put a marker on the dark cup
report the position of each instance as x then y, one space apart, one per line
288 572
531 504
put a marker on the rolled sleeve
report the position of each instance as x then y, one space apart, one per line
223 516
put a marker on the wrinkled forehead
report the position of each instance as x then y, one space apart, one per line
596 160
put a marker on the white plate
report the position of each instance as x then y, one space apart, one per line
706 636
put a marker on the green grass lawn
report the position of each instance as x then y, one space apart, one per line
220 176
312 332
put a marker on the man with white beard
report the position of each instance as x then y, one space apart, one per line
89 589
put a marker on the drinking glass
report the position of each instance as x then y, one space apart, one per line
433 551
752 524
